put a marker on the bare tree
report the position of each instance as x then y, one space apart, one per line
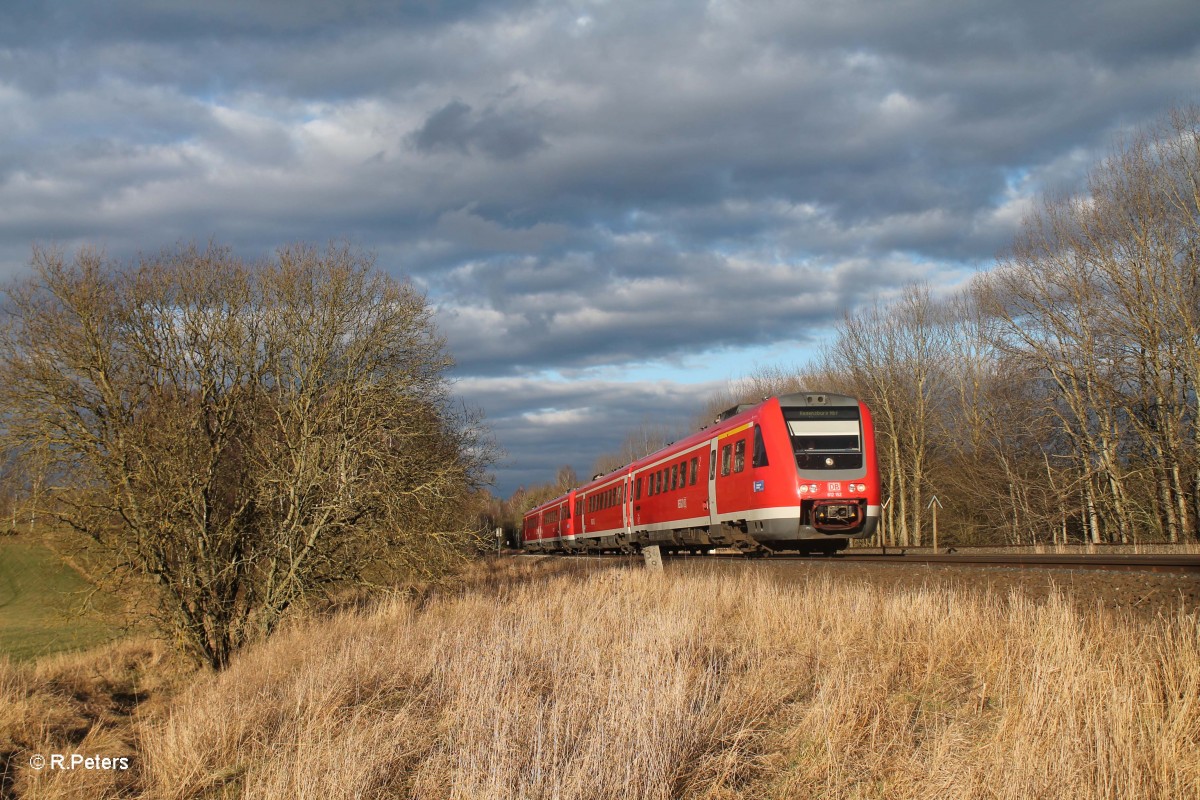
1100 295
891 357
996 440
243 435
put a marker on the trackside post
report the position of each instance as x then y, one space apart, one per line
653 556
935 504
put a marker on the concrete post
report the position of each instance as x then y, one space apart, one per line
653 556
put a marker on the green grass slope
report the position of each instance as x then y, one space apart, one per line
40 598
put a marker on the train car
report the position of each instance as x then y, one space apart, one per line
794 472
550 526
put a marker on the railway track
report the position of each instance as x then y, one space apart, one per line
1099 561
1166 563
1143 563
1144 584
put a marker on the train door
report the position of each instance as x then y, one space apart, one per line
712 482
627 502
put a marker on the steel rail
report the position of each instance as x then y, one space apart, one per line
1143 563
1187 564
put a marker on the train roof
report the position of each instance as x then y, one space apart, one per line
562 498
794 400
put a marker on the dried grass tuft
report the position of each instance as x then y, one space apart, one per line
619 684
545 681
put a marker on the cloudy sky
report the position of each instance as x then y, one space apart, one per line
615 205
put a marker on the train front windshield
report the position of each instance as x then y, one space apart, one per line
825 438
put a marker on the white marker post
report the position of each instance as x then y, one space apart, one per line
883 525
935 504
653 556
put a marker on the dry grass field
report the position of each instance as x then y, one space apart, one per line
614 683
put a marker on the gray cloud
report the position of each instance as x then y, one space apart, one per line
548 424
456 127
583 185
516 318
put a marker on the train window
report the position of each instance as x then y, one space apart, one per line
621 493
674 476
682 474
739 455
695 469
579 508
825 438
637 492
662 480
726 458
760 449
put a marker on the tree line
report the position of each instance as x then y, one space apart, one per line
1052 399
1055 397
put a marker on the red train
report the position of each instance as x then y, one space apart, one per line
794 472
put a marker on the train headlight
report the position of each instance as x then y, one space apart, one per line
829 462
